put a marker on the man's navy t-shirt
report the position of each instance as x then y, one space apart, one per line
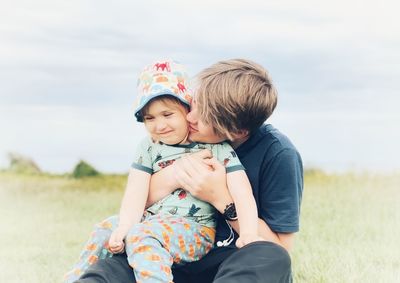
275 170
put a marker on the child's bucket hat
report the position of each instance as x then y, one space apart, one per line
162 78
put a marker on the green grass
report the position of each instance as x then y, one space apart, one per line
350 225
350 229
46 221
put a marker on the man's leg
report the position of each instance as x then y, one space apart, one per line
204 270
110 270
255 263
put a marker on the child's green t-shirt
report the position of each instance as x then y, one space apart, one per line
152 157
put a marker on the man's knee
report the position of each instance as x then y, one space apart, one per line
269 254
256 262
114 269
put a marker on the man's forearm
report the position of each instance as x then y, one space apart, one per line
284 240
246 208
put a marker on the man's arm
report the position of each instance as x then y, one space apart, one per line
170 179
280 192
284 240
210 186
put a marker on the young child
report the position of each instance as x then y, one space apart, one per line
178 228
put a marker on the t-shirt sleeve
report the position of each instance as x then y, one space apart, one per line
227 156
281 191
142 159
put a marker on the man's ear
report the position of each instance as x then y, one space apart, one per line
240 134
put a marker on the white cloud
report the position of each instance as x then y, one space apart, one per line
65 63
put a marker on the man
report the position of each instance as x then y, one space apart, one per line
232 101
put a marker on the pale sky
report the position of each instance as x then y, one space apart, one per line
68 71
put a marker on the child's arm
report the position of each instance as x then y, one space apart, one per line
162 184
132 207
242 195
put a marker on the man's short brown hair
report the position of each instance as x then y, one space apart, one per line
235 95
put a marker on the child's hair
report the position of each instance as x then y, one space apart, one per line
235 95
168 100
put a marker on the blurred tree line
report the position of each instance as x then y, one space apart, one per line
21 164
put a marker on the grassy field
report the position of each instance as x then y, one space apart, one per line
350 225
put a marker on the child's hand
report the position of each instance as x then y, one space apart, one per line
116 241
245 239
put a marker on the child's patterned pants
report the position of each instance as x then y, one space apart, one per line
152 246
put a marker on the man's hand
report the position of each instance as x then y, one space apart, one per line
116 241
245 239
204 177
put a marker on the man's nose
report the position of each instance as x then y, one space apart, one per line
191 117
